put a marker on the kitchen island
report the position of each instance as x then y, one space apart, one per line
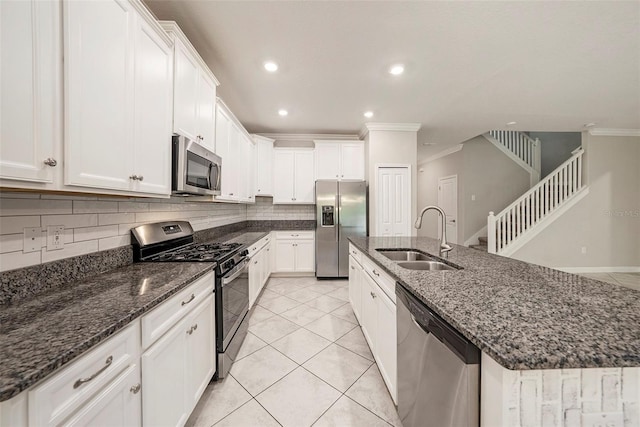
557 349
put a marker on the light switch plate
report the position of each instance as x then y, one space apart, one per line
55 237
32 240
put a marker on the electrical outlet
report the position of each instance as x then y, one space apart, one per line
32 240
583 250
55 237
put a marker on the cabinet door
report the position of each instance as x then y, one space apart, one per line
327 159
304 177
285 256
185 98
118 404
222 136
201 356
283 176
254 279
352 160
164 378
305 255
264 168
206 112
355 287
99 77
268 260
250 168
30 58
386 353
369 321
153 98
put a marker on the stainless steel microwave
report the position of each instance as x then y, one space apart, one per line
195 170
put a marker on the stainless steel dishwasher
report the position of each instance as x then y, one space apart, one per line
438 369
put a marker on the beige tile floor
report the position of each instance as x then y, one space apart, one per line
629 280
304 362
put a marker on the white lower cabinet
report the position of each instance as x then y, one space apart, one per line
295 252
259 268
377 315
178 367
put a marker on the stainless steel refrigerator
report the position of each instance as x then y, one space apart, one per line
341 212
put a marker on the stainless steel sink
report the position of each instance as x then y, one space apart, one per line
425 265
405 255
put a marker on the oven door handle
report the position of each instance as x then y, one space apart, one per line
237 272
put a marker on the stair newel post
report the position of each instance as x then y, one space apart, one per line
491 233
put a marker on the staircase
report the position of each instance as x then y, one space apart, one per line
522 149
523 219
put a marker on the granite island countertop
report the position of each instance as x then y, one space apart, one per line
524 316
45 332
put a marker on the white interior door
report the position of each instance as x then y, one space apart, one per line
394 203
448 201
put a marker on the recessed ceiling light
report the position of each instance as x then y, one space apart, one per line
511 123
368 114
589 125
283 112
397 69
271 66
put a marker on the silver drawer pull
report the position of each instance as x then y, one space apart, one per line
373 295
376 273
193 328
135 389
352 267
193 296
50 162
81 381
354 252
255 262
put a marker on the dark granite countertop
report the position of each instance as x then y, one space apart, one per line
44 332
524 316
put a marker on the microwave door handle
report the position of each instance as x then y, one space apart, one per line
209 176
219 177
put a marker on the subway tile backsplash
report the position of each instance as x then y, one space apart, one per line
97 223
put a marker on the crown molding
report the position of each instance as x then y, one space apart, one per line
614 132
443 153
309 136
257 137
398 127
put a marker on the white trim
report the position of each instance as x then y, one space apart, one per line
257 138
510 154
396 127
174 29
439 192
614 132
309 136
441 154
234 119
295 149
525 238
379 166
576 270
151 20
473 240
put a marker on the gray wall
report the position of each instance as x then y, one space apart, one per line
555 148
606 222
484 172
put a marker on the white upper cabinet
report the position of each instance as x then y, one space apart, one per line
293 177
30 65
116 57
194 91
264 166
339 160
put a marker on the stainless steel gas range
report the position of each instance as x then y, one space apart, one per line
173 242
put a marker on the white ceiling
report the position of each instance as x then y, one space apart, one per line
470 66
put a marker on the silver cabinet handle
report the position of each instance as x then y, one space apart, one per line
135 389
193 296
140 178
254 248
255 262
354 252
268 250
50 162
294 235
376 273
352 267
81 381
373 295
133 177
231 194
193 328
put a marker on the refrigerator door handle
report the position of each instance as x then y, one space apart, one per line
337 217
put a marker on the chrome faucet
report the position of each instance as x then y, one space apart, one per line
444 246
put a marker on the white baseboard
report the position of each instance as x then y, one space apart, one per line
473 240
599 269
294 274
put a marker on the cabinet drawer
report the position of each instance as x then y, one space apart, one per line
257 246
355 253
163 317
296 235
386 283
51 402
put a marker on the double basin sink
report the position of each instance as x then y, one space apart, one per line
413 259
